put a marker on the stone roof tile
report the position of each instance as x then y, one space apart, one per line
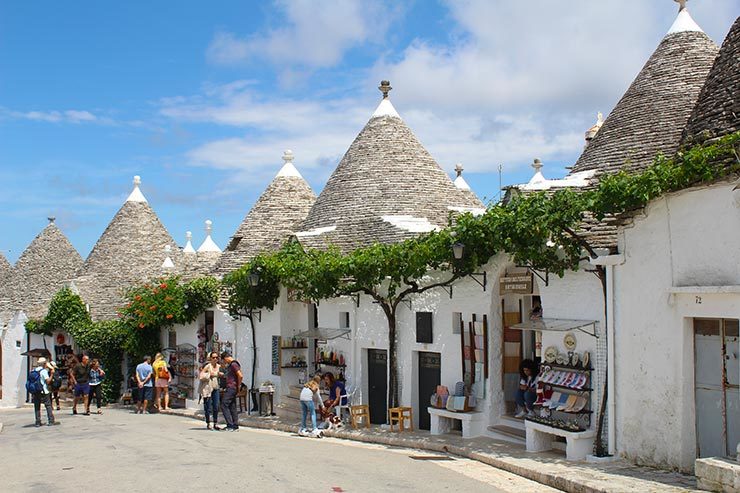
717 111
386 172
272 220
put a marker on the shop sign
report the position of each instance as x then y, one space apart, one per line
516 284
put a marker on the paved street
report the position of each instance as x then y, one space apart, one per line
121 451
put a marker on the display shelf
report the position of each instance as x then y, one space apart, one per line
559 424
555 366
583 389
298 367
293 347
337 365
583 411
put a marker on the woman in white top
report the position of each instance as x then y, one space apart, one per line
310 398
209 389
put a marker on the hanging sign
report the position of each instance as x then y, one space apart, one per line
516 284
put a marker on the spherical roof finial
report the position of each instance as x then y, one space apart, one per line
137 180
385 88
188 235
288 156
537 165
459 169
681 4
209 226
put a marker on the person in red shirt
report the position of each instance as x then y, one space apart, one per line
234 378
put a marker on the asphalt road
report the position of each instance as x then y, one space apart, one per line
122 451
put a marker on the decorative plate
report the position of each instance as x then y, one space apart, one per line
574 359
585 359
561 359
551 354
569 341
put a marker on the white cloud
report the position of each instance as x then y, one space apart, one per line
52 116
313 35
514 81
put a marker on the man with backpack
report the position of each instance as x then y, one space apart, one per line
233 384
39 380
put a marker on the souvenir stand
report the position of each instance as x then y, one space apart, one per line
564 404
183 368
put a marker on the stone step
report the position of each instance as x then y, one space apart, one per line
512 422
507 434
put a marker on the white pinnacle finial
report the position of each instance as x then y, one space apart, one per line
459 169
288 168
168 263
136 195
537 165
188 243
460 182
208 244
683 22
599 118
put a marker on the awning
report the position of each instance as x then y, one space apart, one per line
558 325
324 333
37 353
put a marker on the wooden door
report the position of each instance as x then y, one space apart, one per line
377 379
429 377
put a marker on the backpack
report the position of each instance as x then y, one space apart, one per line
33 384
56 381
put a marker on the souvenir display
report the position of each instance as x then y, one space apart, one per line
569 341
551 354
585 359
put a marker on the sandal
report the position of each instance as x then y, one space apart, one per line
99 412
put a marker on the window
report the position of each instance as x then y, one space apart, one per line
172 338
457 321
344 320
233 243
424 327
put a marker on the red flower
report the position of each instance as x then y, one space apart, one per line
153 307
137 297
169 316
163 286
141 326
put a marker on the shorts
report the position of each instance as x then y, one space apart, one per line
82 389
146 393
162 383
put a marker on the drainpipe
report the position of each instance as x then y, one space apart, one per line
609 261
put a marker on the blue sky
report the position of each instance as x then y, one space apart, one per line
201 99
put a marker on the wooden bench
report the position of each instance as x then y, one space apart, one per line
578 444
473 423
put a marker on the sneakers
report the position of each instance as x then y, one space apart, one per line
317 433
520 414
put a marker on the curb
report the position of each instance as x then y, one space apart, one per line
546 479
1 427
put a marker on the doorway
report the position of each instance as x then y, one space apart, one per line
429 377
717 386
377 382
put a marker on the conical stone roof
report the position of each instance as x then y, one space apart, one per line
652 114
43 268
717 112
131 250
6 271
275 216
386 188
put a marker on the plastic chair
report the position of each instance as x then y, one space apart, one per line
345 403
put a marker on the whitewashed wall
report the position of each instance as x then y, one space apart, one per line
685 239
14 365
370 331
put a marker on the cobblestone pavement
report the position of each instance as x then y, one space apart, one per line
122 451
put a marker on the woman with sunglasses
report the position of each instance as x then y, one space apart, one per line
210 389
